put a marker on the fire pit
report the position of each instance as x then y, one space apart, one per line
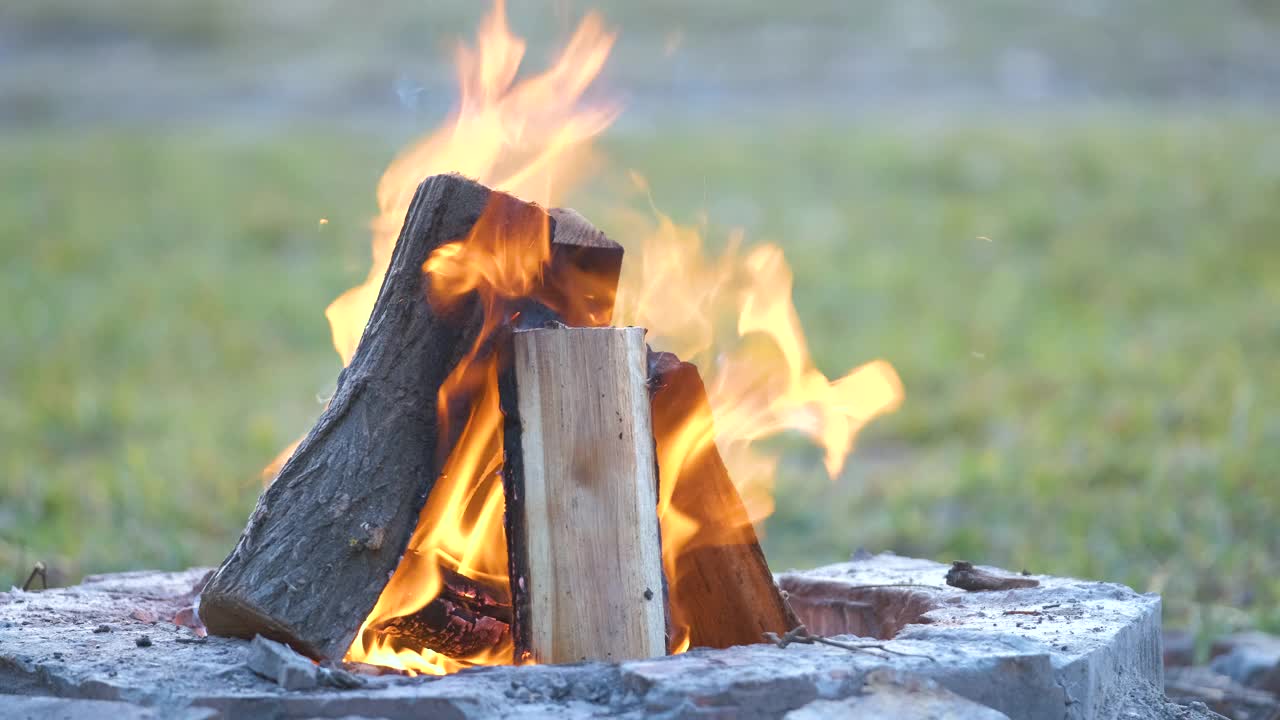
1064 648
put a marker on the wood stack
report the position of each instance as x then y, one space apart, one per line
583 409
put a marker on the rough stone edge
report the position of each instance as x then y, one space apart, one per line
748 676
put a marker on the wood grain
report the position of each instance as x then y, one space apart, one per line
582 494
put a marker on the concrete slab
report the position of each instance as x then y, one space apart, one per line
1068 649
1067 643
894 694
53 708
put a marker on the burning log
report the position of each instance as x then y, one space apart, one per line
721 587
465 618
583 275
581 492
327 534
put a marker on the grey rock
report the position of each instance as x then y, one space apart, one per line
1179 648
339 678
895 694
280 664
1220 694
1251 659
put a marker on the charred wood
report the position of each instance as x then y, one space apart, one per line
465 618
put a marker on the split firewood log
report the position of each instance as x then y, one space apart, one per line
581 497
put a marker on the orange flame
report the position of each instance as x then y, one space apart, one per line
732 315
528 138
760 380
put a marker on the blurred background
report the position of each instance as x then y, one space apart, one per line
1059 221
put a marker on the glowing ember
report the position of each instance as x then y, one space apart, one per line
530 138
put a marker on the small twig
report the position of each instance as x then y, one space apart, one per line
37 570
800 634
1023 612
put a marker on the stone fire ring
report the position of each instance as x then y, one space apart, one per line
1065 649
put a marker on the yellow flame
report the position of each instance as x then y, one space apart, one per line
731 314
460 528
760 380
528 137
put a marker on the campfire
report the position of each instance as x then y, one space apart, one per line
522 461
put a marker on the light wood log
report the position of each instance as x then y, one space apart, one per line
581 489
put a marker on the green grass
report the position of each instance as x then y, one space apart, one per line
1094 390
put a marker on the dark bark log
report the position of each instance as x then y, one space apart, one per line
465 618
327 534
722 589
